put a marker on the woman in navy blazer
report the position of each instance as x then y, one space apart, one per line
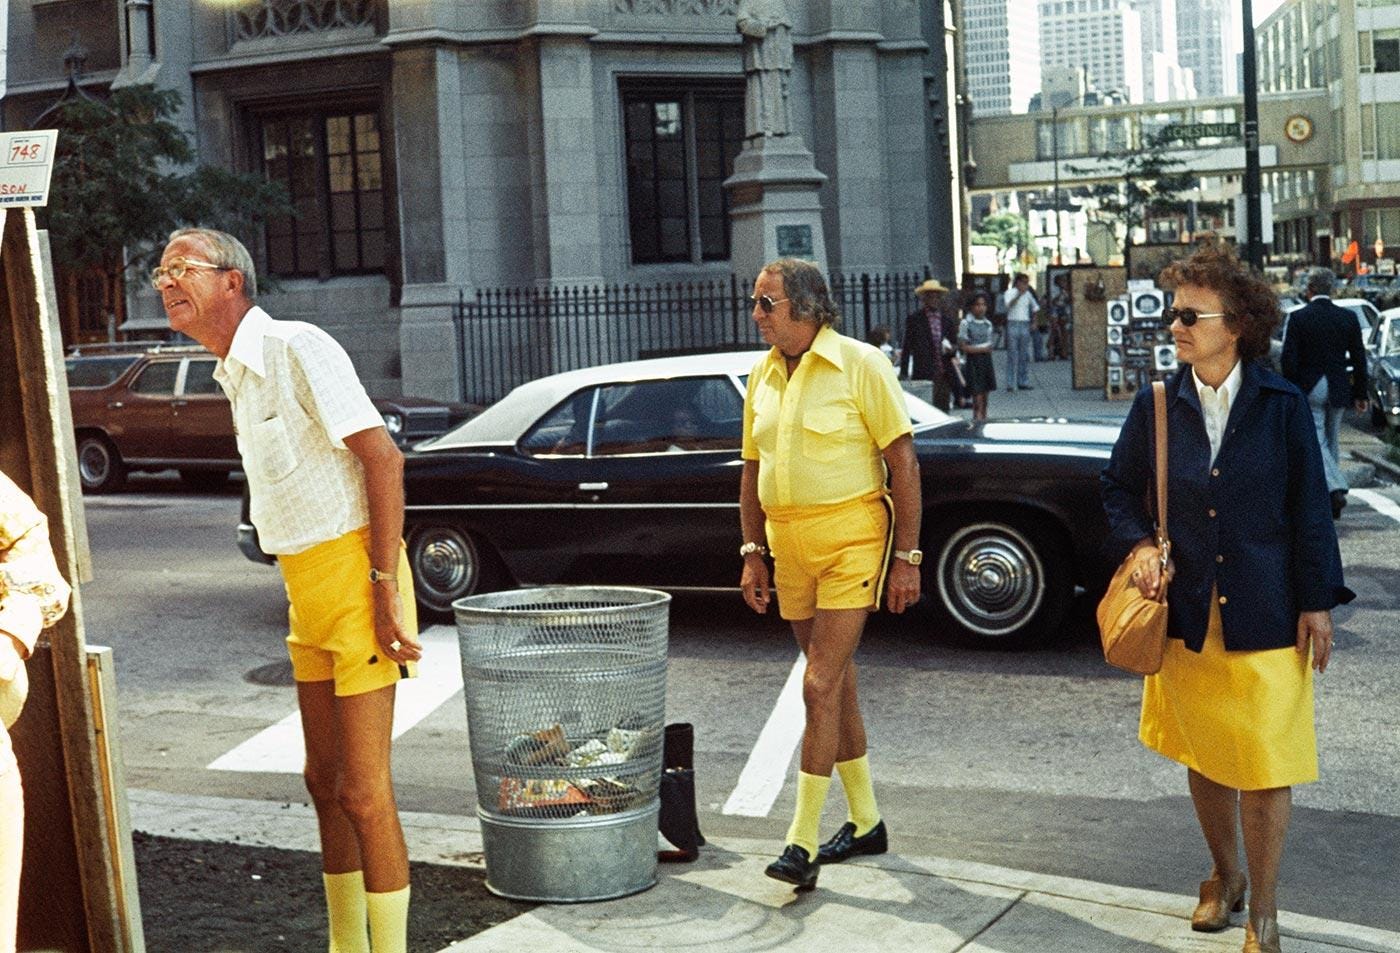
1255 573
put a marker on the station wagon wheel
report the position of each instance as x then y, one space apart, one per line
447 564
100 466
999 582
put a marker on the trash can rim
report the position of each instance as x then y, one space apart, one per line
650 598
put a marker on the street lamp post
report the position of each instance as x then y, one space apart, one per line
1055 147
1254 217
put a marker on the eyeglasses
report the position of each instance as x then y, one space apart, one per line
178 267
767 303
1187 316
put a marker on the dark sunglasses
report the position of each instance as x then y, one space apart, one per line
767 303
1187 316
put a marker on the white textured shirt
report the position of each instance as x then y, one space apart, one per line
1215 406
295 399
1022 309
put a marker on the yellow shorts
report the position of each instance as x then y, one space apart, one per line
831 557
332 616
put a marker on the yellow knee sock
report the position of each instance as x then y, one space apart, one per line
388 920
806 823
345 903
860 794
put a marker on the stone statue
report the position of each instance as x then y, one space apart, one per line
767 66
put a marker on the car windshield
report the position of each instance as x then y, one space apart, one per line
1391 344
84 372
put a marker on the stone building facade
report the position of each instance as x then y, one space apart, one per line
438 147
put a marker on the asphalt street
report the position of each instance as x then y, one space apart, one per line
1027 760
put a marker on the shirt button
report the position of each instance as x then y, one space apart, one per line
1220 559
1223 600
1215 472
1211 513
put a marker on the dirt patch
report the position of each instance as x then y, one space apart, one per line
205 897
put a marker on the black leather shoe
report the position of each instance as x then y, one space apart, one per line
846 844
794 867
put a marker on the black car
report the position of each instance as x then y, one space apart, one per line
629 474
1383 356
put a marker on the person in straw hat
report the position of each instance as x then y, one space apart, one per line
930 341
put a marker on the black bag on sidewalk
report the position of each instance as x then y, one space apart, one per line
678 822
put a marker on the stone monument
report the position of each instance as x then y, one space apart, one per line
775 209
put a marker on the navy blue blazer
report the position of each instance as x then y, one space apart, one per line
1322 340
1257 526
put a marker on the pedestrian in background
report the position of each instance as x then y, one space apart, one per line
1061 310
1020 304
825 421
975 341
882 337
1324 355
325 486
925 350
33 596
1255 571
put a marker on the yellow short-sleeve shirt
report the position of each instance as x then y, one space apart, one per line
818 435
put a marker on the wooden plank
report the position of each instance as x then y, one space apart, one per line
51 483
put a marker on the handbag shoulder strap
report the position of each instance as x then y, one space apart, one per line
1159 406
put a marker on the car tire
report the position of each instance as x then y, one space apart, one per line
100 466
204 479
997 582
448 563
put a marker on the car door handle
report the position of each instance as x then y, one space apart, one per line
178 403
592 487
116 405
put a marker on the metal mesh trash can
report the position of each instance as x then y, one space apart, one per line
566 698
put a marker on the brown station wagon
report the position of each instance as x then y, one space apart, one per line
158 408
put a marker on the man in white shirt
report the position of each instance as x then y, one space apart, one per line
1020 304
326 489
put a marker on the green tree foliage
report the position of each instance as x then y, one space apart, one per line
123 180
1006 230
1149 183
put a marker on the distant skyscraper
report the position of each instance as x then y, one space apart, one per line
1103 36
1003 55
1206 44
1164 77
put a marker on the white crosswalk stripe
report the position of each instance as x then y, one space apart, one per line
279 749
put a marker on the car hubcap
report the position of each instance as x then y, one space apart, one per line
93 463
991 579
446 566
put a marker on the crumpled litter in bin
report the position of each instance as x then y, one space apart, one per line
593 752
526 795
540 747
624 741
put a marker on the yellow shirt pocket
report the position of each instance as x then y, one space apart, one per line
824 433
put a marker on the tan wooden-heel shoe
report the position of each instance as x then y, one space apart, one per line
1218 901
1261 935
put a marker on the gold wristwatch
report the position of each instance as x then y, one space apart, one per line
376 576
911 556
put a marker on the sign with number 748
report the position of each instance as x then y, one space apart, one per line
26 164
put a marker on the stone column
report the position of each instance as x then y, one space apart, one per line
433 234
567 204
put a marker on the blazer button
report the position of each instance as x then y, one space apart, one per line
1215 472
1211 513
1219 558
1223 600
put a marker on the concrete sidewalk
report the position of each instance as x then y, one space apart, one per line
724 903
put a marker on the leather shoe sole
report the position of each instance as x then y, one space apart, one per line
845 844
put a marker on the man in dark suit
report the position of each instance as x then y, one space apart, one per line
925 356
1322 341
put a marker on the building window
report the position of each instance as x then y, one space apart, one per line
680 147
331 164
1385 45
1387 130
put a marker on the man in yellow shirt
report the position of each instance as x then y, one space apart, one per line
831 488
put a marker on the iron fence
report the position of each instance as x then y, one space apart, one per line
507 336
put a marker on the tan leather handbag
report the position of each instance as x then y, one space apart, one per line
1133 628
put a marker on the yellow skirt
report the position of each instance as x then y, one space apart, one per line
1241 719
